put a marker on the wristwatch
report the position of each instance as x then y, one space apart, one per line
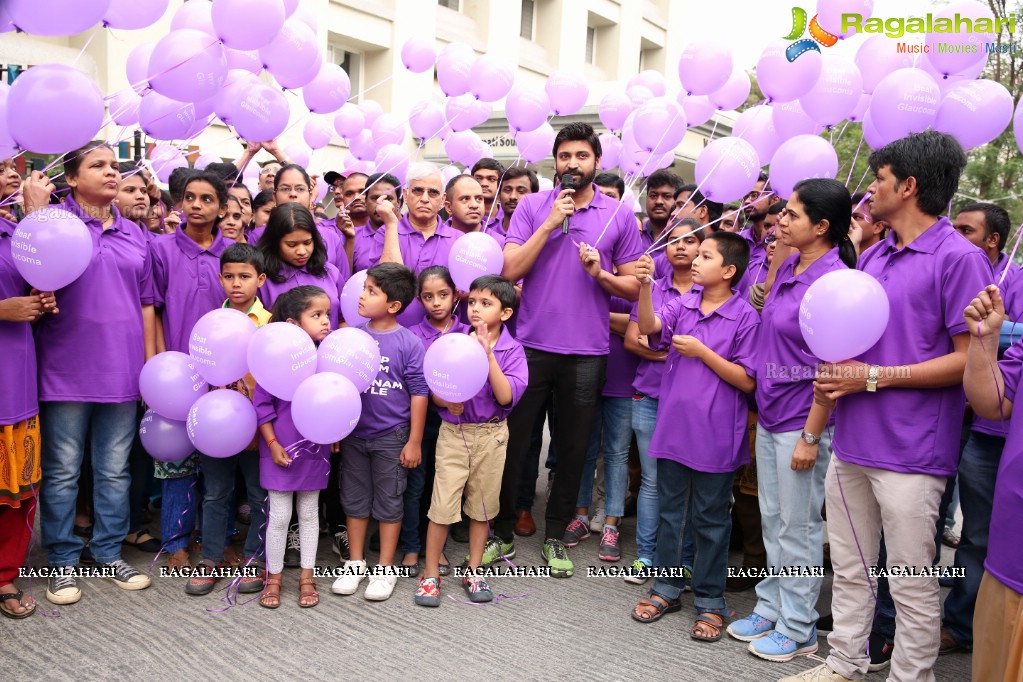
872 379
809 438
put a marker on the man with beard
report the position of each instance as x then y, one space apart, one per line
756 203
565 245
690 202
518 182
489 172
660 201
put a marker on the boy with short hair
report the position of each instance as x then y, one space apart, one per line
473 441
241 275
700 436
388 439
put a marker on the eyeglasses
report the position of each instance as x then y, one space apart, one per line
418 192
297 189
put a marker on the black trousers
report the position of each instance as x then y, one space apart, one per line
575 382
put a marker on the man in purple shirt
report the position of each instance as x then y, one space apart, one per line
899 408
986 226
369 241
690 202
420 238
518 182
490 173
757 204
565 244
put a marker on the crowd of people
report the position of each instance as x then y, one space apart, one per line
651 349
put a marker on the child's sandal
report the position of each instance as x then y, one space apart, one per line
305 595
271 597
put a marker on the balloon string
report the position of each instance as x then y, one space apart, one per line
1012 256
497 194
182 531
85 47
365 90
841 133
857 188
994 374
856 539
233 588
668 229
852 166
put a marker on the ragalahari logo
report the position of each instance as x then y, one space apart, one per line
802 45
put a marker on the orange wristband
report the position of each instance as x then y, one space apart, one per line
272 441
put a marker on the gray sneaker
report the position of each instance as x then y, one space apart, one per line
125 576
62 586
576 532
293 548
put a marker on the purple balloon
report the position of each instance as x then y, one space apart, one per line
412 314
56 17
166 119
363 146
134 14
567 91
975 112
611 151
372 110
660 125
349 122
393 159
704 67
802 157
326 408
166 440
453 66
51 248
946 83
292 57
247 24
195 15
836 92
218 345
52 109
783 81
164 158
353 354
124 107
187 65
350 299
861 108
733 93
317 133
388 129
465 147
262 114
456 367
6 23
877 57
638 94
905 101
236 84
418 54
843 314
756 126
699 109
247 60
873 138
280 356
170 383
651 80
536 145
426 119
205 160
136 66
329 91
829 14
956 55
614 109
1017 126
473 255
298 153
490 78
464 112
290 6
221 423
790 120
526 107
727 169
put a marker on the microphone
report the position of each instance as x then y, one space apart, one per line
567 182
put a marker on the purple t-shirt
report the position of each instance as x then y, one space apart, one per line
929 283
756 272
483 407
1005 545
785 367
185 283
701 419
662 268
19 398
495 225
649 373
331 283
253 236
367 249
309 467
621 364
418 253
94 349
557 294
427 333
387 403
334 240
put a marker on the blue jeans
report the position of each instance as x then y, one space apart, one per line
178 510
977 470
790 515
612 435
65 426
218 505
690 498
415 482
953 506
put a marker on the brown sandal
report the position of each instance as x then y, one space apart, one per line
179 560
649 611
307 594
233 558
707 622
271 597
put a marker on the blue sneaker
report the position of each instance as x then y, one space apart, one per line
751 627
777 647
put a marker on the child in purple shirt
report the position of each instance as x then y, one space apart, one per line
388 439
700 437
285 474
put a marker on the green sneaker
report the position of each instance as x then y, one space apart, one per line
493 550
556 555
638 573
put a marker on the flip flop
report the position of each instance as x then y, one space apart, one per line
20 596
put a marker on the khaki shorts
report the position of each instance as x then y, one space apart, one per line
476 471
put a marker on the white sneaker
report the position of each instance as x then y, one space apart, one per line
380 585
821 673
354 572
597 522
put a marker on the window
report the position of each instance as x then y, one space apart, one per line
351 62
526 29
456 5
591 45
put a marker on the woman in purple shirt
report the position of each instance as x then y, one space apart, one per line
293 184
793 448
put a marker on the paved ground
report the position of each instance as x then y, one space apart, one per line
576 629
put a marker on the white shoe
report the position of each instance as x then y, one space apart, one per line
354 572
597 522
380 585
821 673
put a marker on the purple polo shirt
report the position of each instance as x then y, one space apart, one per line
335 240
19 398
1012 297
253 236
367 249
1005 544
387 403
185 283
499 236
648 372
929 283
483 407
701 419
308 469
418 253
621 364
330 282
563 310
756 272
94 349
785 367
427 333
495 225
662 267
